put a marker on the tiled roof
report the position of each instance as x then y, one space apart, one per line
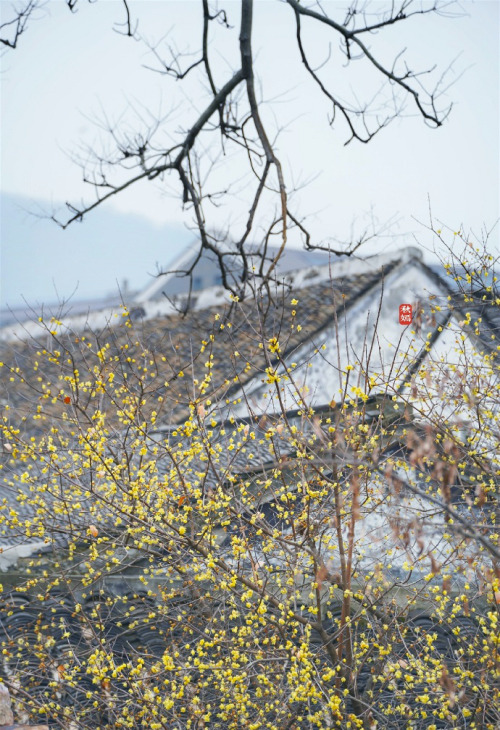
484 308
46 643
178 340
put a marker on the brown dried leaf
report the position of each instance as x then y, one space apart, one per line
321 574
480 494
434 564
448 685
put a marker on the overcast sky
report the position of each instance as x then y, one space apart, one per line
68 69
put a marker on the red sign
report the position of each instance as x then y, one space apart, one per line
405 314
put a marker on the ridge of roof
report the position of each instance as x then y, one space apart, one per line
191 255
344 267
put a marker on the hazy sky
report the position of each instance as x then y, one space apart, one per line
68 69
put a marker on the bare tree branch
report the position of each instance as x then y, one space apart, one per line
232 121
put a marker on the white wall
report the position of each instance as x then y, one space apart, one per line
368 337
